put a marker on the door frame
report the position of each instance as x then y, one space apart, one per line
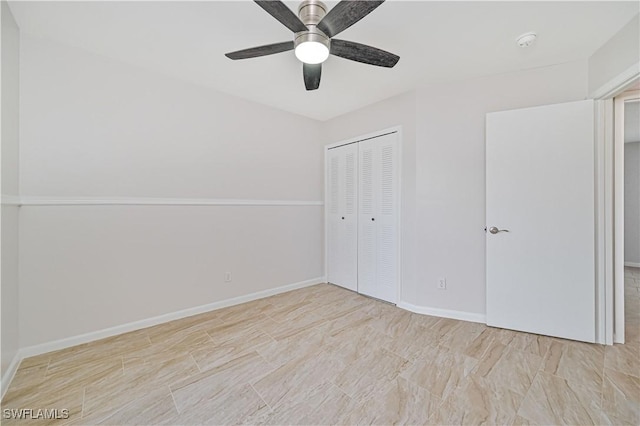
372 135
609 216
618 108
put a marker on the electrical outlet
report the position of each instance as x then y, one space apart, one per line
442 283
227 277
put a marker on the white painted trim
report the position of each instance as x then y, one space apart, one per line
10 200
632 264
444 313
600 274
326 214
618 239
399 275
9 374
605 126
618 83
604 220
609 233
364 137
618 221
149 322
93 201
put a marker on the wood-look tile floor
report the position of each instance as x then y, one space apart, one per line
324 355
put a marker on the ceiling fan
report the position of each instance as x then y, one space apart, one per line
314 30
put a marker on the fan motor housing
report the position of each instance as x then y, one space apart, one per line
310 13
313 34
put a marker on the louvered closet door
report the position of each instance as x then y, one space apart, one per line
378 217
342 232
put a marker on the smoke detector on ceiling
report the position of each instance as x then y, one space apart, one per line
527 39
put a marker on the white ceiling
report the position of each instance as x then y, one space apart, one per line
436 41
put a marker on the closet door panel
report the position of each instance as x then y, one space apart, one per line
378 236
333 218
349 228
386 218
367 229
341 221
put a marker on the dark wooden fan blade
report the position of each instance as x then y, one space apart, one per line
311 73
345 14
255 52
282 13
363 53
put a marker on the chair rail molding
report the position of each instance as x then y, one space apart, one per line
149 201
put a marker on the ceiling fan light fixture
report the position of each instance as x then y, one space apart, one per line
314 29
312 52
311 47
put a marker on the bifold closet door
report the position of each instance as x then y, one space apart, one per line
378 193
342 217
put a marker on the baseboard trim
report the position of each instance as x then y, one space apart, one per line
632 264
9 374
149 322
444 313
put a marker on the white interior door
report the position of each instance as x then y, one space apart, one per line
378 217
540 187
342 219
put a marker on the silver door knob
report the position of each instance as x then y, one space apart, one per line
495 230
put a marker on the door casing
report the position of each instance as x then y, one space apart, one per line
609 228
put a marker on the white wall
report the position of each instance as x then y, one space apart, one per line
616 56
93 267
9 153
632 203
444 175
94 127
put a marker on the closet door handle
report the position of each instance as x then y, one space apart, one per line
373 218
342 217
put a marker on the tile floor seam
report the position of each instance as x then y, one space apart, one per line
261 397
173 398
570 381
195 362
266 332
342 390
274 366
625 373
210 337
526 394
46 370
84 394
396 354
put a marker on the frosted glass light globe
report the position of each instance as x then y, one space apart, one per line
312 52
